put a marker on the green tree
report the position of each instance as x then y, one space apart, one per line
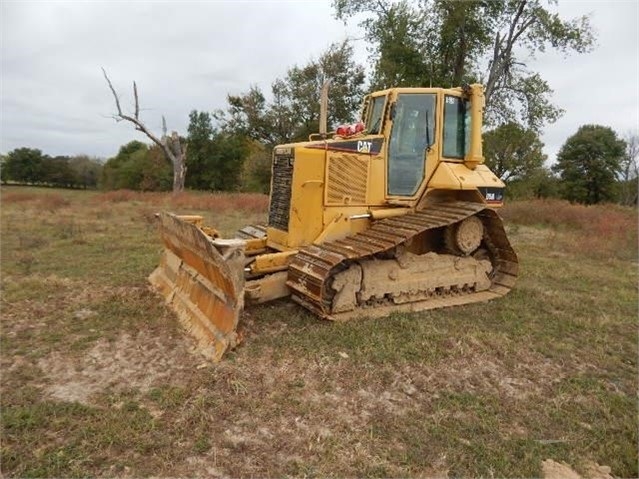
538 183
628 191
230 150
24 165
399 60
588 164
155 171
293 113
214 158
87 170
199 154
58 172
128 174
247 114
137 167
256 170
448 42
513 152
112 178
3 171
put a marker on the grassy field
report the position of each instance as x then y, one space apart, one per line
98 379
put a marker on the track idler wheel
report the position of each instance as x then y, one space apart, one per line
464 237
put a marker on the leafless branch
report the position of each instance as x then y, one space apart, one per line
121 116
115 95
137 103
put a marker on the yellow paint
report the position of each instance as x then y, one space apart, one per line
255 246
307 197
267 288
271 262
475 156
276 239
457 176
389 213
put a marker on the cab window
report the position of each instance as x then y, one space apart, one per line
412 134
374 121
456 127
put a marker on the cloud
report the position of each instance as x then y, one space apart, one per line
183 56
600 87
191 55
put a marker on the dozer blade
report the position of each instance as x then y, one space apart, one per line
202 280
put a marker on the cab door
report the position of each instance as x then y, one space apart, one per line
411 140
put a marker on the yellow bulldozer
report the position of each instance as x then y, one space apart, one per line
395 213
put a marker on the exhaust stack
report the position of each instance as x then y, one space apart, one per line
323 119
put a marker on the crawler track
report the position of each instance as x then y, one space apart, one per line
312 270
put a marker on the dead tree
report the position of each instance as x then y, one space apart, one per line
173 149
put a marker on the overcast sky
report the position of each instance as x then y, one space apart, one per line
187 56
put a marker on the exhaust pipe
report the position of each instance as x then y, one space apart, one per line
323 119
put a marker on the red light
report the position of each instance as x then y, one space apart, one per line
349 130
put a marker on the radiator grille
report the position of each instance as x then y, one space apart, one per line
347 179
279 209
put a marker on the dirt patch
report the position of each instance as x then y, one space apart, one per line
332 406
129 362
528 376
560 470
529 234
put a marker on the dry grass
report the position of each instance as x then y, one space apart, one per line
53 202
119 196
98 379
217 202
601 230
45 200
17 196
221 202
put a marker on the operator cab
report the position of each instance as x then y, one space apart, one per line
423 126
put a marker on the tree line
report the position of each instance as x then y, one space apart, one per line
594 165
427 43
31 166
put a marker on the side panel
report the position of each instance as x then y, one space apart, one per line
306 201
355 172
347 178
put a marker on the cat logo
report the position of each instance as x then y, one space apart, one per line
364 146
